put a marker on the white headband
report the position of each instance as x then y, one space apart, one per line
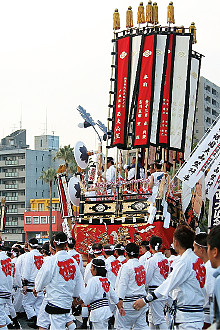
120 248
205 246
111 248
60 242
98 265
157 246
96 251
33 245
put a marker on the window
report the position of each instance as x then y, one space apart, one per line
53 219
207 88
214 113
208 120
208 99
197 131
35 220
197 120
43 220
41 207
55 206
208 109
213 102
11 221
27 220
214 91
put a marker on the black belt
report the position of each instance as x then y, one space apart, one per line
190 308
133 298
5 295
53 309
151 288
99 303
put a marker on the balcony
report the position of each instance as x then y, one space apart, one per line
21 174
21 186
11 174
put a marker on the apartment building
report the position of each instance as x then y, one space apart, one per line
208 107
20 169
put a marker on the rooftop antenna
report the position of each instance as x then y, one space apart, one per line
21 117
46 123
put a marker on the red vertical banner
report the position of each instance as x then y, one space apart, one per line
122 89
165 102
143 109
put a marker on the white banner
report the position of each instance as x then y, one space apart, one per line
194 76
160 51
136 44
202 158
179 90
212 179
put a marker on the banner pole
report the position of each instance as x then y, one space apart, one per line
146 162
136 163
174 163
116 166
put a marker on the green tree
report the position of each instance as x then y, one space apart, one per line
66 153
48 176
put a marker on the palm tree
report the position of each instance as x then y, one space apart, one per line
66 153
48 176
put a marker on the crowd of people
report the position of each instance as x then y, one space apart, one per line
118 288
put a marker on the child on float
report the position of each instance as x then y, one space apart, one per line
97 294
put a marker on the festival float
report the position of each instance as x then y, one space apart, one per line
152 104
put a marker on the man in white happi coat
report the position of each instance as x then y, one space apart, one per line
32 263
200 249
62 279
120 253
111 263
213 241
6 283
74 254
130 285
157 270
145 250
96 251
187 279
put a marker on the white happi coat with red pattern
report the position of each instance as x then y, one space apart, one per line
112 266
61 277
157 269
6 280
187 281
131 280
33 262
130 285
98 294
74 254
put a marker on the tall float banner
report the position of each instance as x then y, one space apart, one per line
212 179
136 46
202 157
64 199
214 210
160 57
122 90
194 82
145 92
166 87
180 91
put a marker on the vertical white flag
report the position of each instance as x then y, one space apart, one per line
160 51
